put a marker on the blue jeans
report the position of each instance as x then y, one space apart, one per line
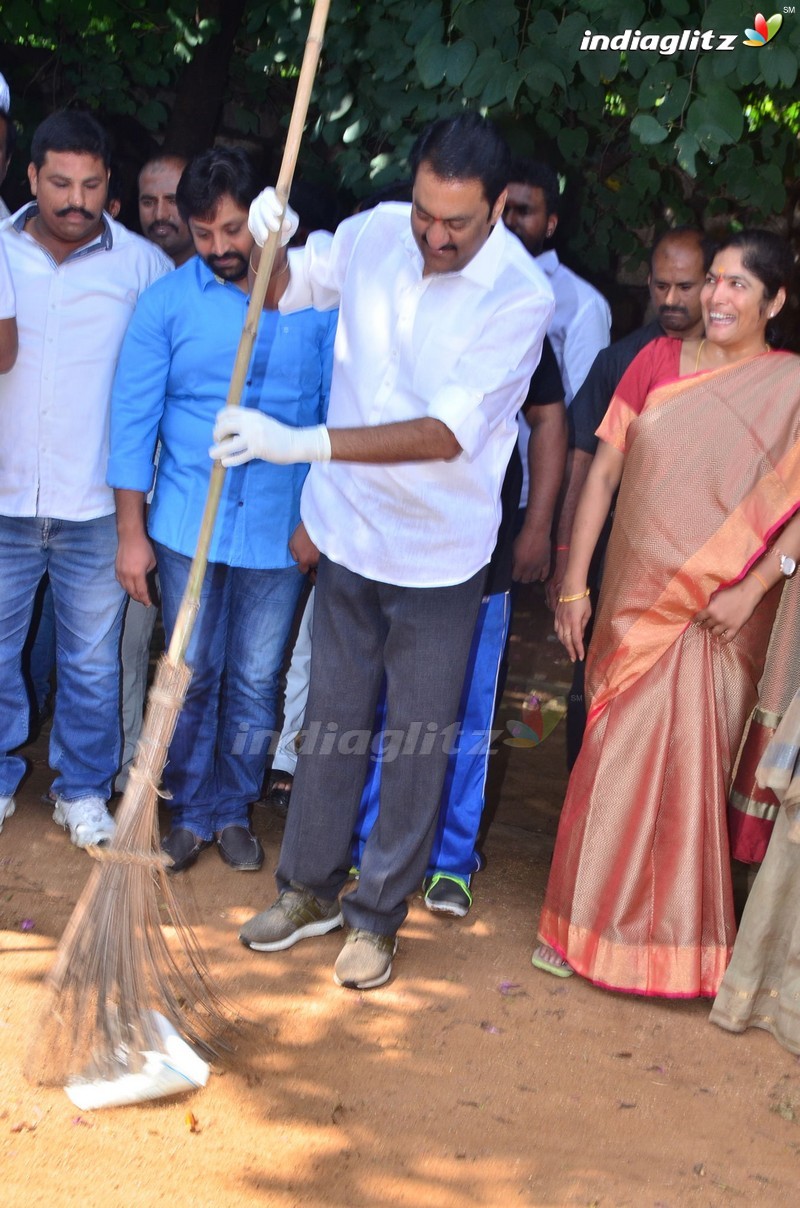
40 646
226 729
88 602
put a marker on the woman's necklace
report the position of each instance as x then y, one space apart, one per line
699 351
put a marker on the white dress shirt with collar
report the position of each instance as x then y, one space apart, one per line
581 325
580 328
8 305
55 402
459 347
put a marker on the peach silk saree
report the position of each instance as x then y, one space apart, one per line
639 897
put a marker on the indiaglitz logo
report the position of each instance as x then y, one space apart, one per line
665 44
688 39
538 720
764 31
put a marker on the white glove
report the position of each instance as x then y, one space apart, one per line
242 434
265 216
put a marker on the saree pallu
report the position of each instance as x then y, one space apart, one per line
639 897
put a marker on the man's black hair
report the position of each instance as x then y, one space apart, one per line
11 134
466 147
708 246
71 130
212 175
536 175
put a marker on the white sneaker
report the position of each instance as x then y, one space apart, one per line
88 820
7 807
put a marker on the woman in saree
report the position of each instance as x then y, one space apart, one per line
702 440
761 988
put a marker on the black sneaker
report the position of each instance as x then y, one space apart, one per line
445 894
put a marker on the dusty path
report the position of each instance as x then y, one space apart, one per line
470 1079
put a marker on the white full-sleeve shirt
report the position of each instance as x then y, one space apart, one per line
8 302
458 347
55 402
580 328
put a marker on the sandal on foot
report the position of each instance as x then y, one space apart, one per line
541 960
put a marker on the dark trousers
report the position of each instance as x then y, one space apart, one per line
420 639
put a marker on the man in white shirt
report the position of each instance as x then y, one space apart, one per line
77 275
581 325
441 321
8 324
8 138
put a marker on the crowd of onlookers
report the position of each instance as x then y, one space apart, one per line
433 410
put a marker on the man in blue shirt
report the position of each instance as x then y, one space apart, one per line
172 378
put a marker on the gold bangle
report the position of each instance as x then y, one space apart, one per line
581 595
756 575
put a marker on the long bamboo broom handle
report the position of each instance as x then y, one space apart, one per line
191 598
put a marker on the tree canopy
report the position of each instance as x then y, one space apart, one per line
677 129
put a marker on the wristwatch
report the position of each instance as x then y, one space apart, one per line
787 564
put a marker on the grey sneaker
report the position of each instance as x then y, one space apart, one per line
297 915
89 822
365 961
7 807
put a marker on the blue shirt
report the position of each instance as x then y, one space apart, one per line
172 378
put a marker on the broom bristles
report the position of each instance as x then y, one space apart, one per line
114 965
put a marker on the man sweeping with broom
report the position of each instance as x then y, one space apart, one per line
442 317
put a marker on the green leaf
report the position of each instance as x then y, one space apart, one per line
600 66
514 82
486 66
656 84
573 144
544 77
461 57
428 21
687 149
643 178
495 91
648 130
674 101
431 62
722 108
784 63
355 130
468 17
541 27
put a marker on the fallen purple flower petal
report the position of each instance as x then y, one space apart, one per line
508 987
489 1027
27 925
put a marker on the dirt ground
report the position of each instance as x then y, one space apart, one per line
469 1079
